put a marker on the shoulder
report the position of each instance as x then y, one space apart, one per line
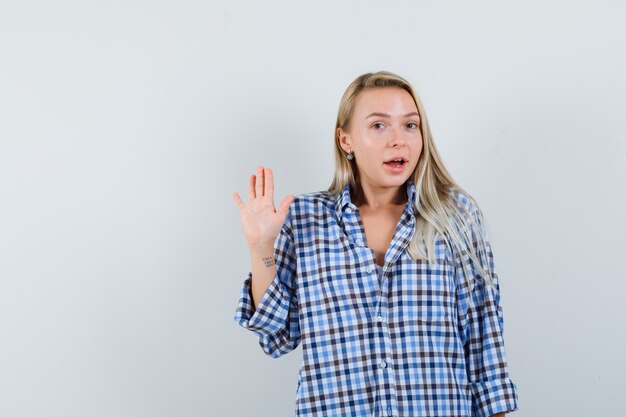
311 206
470 213
464 202
313 200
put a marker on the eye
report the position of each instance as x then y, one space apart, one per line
412 125
377 124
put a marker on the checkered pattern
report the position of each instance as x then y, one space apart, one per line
411 338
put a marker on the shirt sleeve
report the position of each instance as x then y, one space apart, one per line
482 328
275 320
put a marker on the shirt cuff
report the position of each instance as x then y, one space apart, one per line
493 397
271 313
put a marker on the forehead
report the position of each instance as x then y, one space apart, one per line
390 100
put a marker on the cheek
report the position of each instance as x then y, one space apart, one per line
419 144
368 160
369 149
417 151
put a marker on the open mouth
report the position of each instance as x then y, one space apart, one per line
396 163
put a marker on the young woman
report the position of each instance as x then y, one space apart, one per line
386 279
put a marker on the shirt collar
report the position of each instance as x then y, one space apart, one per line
343 199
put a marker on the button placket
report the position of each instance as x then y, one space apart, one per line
353 227
385 368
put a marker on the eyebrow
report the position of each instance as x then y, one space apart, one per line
386 115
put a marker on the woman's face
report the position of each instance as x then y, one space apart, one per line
385 126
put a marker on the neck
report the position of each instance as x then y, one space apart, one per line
378 197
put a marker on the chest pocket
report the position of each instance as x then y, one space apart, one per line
422 292
338 277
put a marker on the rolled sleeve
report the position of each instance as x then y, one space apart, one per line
271 313
482 330
275 319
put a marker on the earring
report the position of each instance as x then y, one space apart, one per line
350 156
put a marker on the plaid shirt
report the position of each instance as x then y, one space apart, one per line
408 339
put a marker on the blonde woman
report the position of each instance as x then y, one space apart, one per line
386 279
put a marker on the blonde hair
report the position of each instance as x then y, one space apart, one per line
442 205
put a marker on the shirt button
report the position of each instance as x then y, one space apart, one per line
370 270
358 242
348 210
383 364
379 318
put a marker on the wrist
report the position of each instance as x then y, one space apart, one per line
262 250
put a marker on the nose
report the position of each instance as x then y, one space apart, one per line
397 138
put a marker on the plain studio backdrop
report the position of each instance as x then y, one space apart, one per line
126 126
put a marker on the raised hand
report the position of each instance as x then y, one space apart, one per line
261 222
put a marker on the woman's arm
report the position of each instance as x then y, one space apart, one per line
263 272
482 324
261 224
268 304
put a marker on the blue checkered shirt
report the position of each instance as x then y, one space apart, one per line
411 338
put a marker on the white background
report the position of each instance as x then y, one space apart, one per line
125 126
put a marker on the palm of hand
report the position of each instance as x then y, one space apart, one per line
261 222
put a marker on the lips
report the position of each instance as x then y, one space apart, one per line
396 160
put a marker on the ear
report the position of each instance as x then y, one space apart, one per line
344 140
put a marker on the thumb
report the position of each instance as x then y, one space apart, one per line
284 205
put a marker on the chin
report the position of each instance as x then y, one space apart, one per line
395 182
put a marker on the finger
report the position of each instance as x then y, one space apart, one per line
284 205
259 182
238 200
251 182
269 183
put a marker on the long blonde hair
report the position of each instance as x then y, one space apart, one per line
437 200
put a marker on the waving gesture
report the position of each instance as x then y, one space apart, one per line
260 220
